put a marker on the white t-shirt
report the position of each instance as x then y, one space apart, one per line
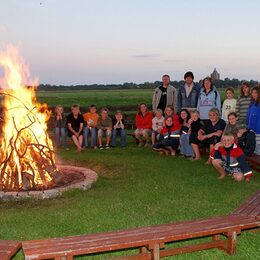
157 124
229 105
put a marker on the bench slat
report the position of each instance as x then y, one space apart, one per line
8 248
102 242
249 205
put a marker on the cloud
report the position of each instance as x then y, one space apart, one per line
146 56
173 61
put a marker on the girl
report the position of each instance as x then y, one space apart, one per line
253 116
171 134
59 123
157 125
243 102
208 98
185 122
232 126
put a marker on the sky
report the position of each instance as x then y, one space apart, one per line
69 42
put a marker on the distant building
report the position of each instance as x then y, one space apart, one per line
215 75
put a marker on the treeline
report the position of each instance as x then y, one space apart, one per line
146 85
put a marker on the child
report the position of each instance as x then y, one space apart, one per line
91 119
229 104
104 126
143 121
168 111
253 116
243 102
232 126
228 158
59 123
118 129
185 122
171 134
75 123
246 140
195 126
157 125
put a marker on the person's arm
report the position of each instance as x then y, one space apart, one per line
175 98
109 124
122 123
179 101
154 99
99 126
218 102
80 128
238 109
72 130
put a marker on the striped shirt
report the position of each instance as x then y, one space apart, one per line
242 108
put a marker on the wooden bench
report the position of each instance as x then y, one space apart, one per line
150 240
254 162
251 207
9 248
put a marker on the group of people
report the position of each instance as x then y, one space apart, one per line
184 121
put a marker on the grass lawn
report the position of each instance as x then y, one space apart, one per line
136 187
101 97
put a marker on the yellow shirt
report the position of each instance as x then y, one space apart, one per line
91 119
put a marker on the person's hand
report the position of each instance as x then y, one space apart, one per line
217 145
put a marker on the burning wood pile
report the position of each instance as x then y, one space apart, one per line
26 152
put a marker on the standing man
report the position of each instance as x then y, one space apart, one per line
188 93
165 95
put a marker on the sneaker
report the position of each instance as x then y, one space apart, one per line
107 146
101 147
95 147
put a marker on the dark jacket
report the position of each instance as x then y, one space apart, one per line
247 142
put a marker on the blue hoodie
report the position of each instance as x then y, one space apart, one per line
253 117
208 101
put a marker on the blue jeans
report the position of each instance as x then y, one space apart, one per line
60 137
92 132
118 132
185 145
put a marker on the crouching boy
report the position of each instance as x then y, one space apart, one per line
228 158
104 126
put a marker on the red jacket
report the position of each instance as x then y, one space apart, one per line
144 122
175 126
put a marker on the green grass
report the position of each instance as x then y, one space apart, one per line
136 187
129 97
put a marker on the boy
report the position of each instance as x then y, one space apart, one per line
104 126
228 158
157 125
91 119
75 122
229 104
118 129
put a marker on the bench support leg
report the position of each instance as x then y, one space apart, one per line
156 252
231 243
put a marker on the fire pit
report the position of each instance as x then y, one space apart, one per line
27 161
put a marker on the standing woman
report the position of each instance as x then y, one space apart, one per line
253 116
208 98
243 102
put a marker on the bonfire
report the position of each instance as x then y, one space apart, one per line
26 152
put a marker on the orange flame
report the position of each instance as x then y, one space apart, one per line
25 147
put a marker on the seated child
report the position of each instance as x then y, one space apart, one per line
60 124
118 129
171 135
91 119
75 123
157 125
231 127
246 140
228 158
185 147
104 127
195 126
168 111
